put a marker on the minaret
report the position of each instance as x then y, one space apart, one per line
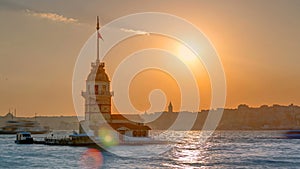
170 107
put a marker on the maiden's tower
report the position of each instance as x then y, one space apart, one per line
98 96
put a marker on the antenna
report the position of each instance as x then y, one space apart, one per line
97 28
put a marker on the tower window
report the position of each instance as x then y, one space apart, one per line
103 90
96 89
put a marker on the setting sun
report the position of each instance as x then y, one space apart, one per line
185 54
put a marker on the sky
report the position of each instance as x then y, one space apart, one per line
40 40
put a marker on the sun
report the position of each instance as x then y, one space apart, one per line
185 54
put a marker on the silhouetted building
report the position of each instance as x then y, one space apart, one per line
170 107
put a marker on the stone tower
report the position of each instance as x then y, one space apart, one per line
97 95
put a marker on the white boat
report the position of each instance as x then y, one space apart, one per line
70 139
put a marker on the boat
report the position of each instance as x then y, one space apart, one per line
292 134
90 140
24 138
15 126
73 139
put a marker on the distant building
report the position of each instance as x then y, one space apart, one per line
9 115
170 107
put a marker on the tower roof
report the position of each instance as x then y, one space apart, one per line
98 73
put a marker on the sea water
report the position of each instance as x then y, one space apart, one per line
225 149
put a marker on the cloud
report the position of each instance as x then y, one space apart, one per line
135 31
52 16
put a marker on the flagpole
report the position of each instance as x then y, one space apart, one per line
98 27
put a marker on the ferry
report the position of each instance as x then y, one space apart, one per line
24 138
15 126
90 140
74 139
292 134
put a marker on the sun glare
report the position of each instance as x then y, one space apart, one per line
185 54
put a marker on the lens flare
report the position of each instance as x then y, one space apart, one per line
91 158
108 138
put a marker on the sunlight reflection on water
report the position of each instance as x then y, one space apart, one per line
228 149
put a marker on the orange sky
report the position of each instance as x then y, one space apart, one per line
257 41
151 79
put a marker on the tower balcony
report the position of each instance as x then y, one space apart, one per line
101 93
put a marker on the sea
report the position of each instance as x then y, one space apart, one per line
224 149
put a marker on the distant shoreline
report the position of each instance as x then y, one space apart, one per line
245 118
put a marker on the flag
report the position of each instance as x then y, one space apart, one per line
99 36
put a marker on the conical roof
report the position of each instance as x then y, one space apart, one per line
98 73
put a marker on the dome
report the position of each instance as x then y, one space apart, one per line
98 73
